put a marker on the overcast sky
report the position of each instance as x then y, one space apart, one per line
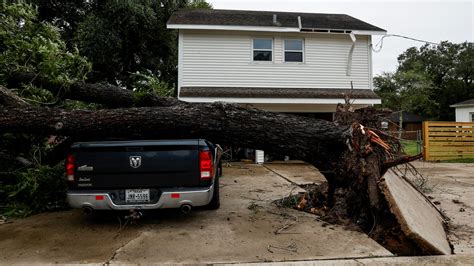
432 21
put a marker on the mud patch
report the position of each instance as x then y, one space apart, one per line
315 201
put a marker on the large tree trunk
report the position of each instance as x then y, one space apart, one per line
315 141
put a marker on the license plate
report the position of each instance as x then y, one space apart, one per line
137 195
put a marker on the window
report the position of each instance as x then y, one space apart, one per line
472 117
262 50
293 50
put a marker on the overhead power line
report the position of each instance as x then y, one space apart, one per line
378 47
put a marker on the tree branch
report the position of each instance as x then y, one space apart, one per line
401 160
10 99
105 94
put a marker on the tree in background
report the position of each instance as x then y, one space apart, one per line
63 14
120 37
429 79
31 46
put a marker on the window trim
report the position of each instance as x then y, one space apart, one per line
302 51
471 116
263 50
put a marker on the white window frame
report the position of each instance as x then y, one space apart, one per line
298 51
471 116
272 50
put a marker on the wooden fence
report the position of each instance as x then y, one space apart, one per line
447 140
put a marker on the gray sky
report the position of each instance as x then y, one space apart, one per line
433 21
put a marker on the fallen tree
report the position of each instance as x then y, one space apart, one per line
104 94
316 141
353 158
347 156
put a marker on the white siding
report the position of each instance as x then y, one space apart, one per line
219 58
463 114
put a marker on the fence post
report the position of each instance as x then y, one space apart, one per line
419 141
426 140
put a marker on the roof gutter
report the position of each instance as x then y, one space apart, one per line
277 100
272 29
226 27
462 105
369 32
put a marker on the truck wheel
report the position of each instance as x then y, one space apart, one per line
215 202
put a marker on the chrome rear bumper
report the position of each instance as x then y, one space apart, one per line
102 201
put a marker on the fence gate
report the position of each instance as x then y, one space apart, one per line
447 140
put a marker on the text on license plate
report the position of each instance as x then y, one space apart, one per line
137 195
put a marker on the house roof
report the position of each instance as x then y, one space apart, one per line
309 21
292 93
464 103
406 117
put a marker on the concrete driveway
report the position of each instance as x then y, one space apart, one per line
247 228
451 188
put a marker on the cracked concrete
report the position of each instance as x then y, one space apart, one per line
116 252
451 186
426 260
238 232
243 228
62 237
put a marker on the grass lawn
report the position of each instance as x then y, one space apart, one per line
410 147
459 160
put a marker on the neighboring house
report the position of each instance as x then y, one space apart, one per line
464 111
276 61
410 121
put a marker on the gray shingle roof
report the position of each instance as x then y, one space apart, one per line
463 103
228 92
265 18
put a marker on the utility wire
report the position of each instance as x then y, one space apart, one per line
378 47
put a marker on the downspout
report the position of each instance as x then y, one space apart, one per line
351 52
299 23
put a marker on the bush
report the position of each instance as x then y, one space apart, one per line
35 190
147 82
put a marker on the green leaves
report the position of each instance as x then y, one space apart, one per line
146 82
429 79
29 45
36 190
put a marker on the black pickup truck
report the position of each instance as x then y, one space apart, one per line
143 174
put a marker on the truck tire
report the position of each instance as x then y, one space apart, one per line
215 201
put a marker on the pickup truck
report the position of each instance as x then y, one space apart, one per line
143 174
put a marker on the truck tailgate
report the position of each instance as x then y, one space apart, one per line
122 164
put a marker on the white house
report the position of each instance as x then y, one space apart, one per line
277 61
464 111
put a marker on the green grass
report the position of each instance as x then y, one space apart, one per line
459 160
410 147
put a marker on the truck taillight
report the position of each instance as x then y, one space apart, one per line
205 165
70 168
